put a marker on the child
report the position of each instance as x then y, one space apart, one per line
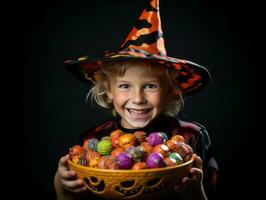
144 88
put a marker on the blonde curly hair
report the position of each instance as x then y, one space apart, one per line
110 70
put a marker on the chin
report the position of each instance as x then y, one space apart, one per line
138 125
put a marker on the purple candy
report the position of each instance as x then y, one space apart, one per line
124 161
155 160
155 138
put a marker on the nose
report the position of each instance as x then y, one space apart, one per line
138 97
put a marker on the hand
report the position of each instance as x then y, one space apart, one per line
191 186
66 181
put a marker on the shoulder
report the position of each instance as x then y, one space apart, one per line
192 125
189 129
194 133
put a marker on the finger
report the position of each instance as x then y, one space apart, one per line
63 160
68 175
185 180
197 161
62 165
196 173
79 190
72 184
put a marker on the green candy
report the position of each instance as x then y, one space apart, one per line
104 147
178 159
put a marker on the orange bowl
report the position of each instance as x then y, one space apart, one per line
132 184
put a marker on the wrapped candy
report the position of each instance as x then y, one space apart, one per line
184 150
140 136
91 154
148 149
139 166
82 161
117 151
94 162
127 140
171 144
102 162
175 156
155 138
137 153
106 138
124 161
92 144
76 152
104 147
178 138
164 136
115 141
162 149
111 163
116 133
169 162
155 160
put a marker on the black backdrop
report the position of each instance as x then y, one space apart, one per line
221 36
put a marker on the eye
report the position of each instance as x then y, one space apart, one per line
151 86
124 86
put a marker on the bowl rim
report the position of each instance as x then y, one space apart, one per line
190 161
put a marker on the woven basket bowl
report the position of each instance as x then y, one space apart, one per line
132 184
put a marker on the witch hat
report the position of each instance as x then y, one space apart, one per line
144 42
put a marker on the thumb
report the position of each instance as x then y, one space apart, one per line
63 161
197 161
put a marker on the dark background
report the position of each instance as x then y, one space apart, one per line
221 36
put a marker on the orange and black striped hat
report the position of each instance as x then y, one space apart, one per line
144 42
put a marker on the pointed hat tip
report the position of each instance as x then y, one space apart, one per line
147 33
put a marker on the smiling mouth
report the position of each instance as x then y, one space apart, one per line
138 111
139 114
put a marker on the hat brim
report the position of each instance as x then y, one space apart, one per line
191 76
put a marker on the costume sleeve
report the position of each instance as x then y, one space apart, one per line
205 150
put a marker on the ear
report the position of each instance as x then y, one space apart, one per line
109 94
108 91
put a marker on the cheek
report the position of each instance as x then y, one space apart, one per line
157 100
119 100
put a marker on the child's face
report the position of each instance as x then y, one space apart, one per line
138 96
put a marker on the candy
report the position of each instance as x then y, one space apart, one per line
148 149
184 150
117 151
136 153
115 141
104 147
91 154
132 151
127 140
169 162
178 138
139 166
175 156
162 149
94 162
92 144
82 161
116 133
140 136
155 138
124 161
155 160
164 135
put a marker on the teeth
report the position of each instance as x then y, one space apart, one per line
138 111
